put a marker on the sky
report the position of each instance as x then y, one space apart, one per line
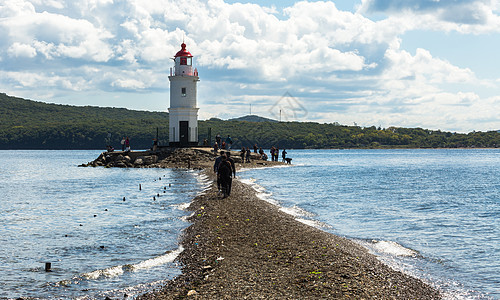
432 64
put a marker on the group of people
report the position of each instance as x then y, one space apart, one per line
275 152
125 144
225 169
222 145
245 154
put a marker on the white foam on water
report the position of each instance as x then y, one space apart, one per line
119 270
204 180
265 167
261 192
108 273
182 206
392 248
132 291
313 223
249 181
296 211
157 261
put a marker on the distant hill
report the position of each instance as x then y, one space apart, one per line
27 124
253 118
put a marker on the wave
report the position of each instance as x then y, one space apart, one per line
120 270
297 211
388 248
314 223
182 206
157 261
261 192
267 167
294 210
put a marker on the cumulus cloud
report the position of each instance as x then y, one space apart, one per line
466 16
341 66
22 50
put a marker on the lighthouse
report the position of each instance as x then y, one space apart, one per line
183 113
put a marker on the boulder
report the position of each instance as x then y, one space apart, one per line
120 164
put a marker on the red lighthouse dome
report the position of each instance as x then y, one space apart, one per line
183 63
183 52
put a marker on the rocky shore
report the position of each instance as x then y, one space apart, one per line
242 247
197 158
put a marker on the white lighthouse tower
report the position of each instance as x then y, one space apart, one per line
183 113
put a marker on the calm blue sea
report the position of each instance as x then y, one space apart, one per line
433 214
102 234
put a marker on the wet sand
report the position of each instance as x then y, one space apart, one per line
242 247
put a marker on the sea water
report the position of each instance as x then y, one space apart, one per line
105 231
432 214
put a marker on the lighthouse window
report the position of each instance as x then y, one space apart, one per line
184 61
188 61
183 92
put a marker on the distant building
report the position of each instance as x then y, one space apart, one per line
183 113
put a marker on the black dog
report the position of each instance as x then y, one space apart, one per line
288 160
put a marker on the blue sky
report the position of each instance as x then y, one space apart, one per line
406 63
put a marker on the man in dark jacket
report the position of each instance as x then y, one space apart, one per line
224 172
217 162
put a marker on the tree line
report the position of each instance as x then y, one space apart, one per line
27 124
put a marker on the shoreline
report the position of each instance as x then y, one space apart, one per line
245 247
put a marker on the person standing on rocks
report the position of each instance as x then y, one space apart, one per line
242 154
229 142
216 148
283 155
127 144
218 139
248 153
123 143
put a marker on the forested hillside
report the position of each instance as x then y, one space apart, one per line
26 124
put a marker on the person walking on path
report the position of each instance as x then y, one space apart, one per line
225 176
233 168
283 155
217 162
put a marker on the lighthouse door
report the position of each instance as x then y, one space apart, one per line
183 133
